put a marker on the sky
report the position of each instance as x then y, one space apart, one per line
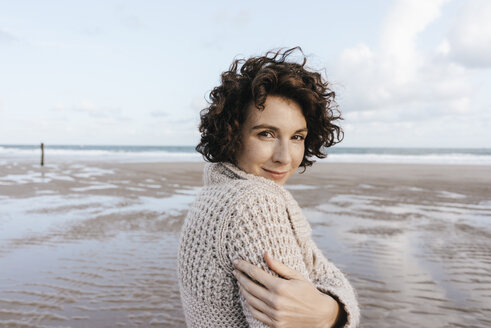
407 73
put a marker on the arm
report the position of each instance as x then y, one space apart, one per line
260 223
331 281
289 302
325 275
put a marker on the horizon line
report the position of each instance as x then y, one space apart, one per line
142 145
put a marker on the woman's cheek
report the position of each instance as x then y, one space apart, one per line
259 151
299 152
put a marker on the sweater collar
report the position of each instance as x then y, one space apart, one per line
224 171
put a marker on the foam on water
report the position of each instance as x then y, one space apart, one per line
95 187
188 154
32 176
445 159
299 187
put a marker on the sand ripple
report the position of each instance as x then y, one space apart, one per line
93 246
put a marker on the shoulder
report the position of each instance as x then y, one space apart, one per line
254 207
240 192
257 220
257 198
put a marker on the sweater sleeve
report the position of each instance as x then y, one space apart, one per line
259 223
330 280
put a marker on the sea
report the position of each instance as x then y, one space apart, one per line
125 153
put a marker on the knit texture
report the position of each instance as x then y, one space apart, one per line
239 215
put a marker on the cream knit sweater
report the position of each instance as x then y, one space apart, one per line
239 215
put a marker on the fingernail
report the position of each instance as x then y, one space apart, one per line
236 262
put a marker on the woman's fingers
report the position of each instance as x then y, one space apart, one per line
281 269
252 288
255 273
261 317
256 304
295 300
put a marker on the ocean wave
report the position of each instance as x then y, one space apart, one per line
451 158
188 154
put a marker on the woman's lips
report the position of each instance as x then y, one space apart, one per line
275 174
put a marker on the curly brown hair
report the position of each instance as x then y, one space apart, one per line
252 80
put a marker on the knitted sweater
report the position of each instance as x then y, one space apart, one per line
239 215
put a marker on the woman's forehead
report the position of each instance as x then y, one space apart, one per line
278 112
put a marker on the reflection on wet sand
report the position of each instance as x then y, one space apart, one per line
95 244
396 260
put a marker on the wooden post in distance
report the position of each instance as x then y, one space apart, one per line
42 154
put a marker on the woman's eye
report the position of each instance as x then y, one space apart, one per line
299 137
268 134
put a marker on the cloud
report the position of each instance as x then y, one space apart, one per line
396 81
198 103
91 31
158 113
395 93
132 22
190 112
6 37
237 19
469 39
127 19
406 20
100 112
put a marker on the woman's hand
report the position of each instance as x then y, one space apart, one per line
289 302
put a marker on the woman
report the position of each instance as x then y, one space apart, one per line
246 256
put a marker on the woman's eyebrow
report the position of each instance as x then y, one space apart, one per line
264 126
270 127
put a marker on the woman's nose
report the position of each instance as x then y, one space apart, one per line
282 152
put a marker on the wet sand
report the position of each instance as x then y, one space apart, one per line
94 244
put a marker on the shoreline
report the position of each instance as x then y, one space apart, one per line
475 180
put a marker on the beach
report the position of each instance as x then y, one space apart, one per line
94 243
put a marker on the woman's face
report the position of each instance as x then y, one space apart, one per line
273 139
